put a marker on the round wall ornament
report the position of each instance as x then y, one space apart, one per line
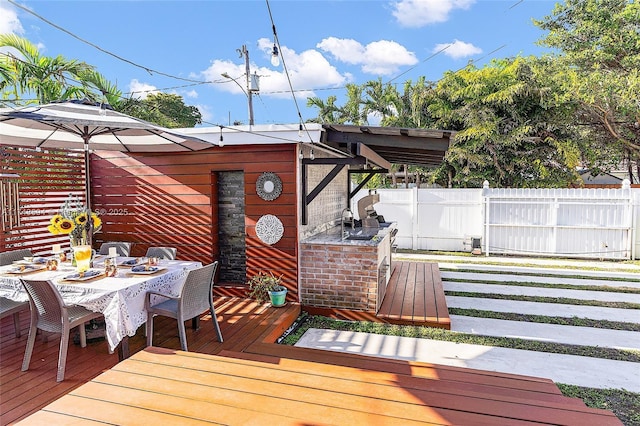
269 229
269 186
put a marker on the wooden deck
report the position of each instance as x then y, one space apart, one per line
250 380
415 296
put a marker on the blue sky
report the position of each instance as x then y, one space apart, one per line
324 44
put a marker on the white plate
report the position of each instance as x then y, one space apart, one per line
144 271
26 269
88 275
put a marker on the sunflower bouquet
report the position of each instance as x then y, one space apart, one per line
73 220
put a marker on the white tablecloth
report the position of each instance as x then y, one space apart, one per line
120 299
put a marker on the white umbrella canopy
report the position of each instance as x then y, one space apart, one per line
88 126
74 124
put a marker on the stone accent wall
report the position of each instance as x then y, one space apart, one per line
231 209
339 276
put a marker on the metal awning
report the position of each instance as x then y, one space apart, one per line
389 145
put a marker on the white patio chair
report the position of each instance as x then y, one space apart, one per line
122 248
168 253
196 297
8 257
50 313
11 307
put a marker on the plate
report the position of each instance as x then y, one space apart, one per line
146 270
88 275
26 269
34 261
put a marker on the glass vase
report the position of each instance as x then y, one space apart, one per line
82 257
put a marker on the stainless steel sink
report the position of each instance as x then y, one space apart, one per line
359 237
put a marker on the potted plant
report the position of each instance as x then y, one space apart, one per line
266 285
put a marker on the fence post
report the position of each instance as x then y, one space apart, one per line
414 218
631 239
485 213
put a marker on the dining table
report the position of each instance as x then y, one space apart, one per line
120 298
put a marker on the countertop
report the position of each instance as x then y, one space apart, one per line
332 236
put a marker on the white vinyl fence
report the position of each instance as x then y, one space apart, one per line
580 223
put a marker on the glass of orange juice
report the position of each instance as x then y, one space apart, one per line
82 254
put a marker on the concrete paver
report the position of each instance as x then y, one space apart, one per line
568 369
546 309
553 333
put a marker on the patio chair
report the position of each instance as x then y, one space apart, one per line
11 307
50 313
168 253
8 257
122 248
196 296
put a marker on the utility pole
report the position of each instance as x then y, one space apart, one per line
244 52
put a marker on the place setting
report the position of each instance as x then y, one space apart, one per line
148 266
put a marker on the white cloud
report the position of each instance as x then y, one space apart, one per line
418 13
140 90
382 57
308 69
9 22
193 94
457 49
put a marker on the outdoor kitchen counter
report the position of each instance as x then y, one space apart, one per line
332 236
346 273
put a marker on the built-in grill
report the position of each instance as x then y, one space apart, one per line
369 218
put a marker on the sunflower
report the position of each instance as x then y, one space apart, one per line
55 220
53 229
66 226
97 223
81 219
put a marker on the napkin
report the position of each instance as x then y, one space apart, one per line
144 268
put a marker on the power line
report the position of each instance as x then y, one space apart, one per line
147 69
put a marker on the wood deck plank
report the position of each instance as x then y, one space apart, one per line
419 305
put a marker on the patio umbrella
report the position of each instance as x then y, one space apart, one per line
88 126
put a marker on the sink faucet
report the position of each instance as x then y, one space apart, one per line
349 218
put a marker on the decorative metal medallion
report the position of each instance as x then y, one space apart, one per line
269 229
269 186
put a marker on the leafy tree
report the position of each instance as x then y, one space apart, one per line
599 41
165 109
328 112
512 126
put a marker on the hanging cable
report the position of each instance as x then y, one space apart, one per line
147 69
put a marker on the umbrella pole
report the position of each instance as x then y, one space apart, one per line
87 186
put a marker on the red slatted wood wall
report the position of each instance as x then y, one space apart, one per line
46 179
166 199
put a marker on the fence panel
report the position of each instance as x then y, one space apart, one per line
582 223
589 223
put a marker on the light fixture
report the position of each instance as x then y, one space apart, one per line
300 154
103 109
300 133
311 156
275 58
221 144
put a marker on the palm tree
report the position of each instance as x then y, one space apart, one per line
46 78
